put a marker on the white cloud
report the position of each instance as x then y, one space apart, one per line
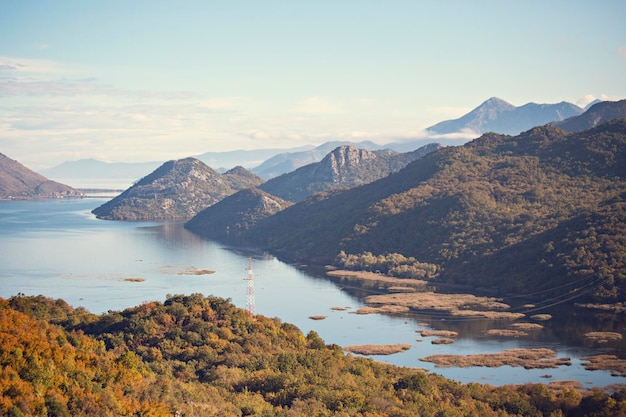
588 98
463 134
584 100
29 65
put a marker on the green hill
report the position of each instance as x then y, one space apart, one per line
201 356
518 214
236 213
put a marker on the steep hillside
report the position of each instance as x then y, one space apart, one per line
176 190
496 115
539 211
17 181
238 212
344 167
597 114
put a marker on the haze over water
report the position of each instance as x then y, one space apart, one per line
58 249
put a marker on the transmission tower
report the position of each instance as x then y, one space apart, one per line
250 304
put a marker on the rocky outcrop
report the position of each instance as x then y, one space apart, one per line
177 190
344 167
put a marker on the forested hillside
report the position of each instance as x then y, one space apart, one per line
228 218
539 211
195 355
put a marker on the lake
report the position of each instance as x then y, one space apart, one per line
57 248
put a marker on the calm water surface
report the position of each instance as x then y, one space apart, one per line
57 248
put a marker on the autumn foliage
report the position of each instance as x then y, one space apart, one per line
196 355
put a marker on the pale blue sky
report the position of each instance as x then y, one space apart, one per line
156 80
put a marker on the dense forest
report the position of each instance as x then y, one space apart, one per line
194 355
516 214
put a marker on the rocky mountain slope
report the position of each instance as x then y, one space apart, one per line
595 115
176 190
236 213
289 161
19 182
496 115
344 167
541 213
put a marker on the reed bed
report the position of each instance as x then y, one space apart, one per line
540 358
377 349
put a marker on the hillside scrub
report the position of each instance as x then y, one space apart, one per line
196 355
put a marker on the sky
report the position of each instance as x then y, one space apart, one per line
150 80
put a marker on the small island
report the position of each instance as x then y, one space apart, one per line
377 349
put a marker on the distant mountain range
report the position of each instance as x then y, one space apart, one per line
20 182
493 115
93 168
496 115
176 190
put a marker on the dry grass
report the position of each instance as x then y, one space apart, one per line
506 332
492 315
441 333
617 307
195 271
371 276
605 363
603 337
541 317
463 305
527 326
404 295
401 289
527 358
190 270
377 349
390 309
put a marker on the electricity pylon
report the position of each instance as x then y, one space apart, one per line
250 304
